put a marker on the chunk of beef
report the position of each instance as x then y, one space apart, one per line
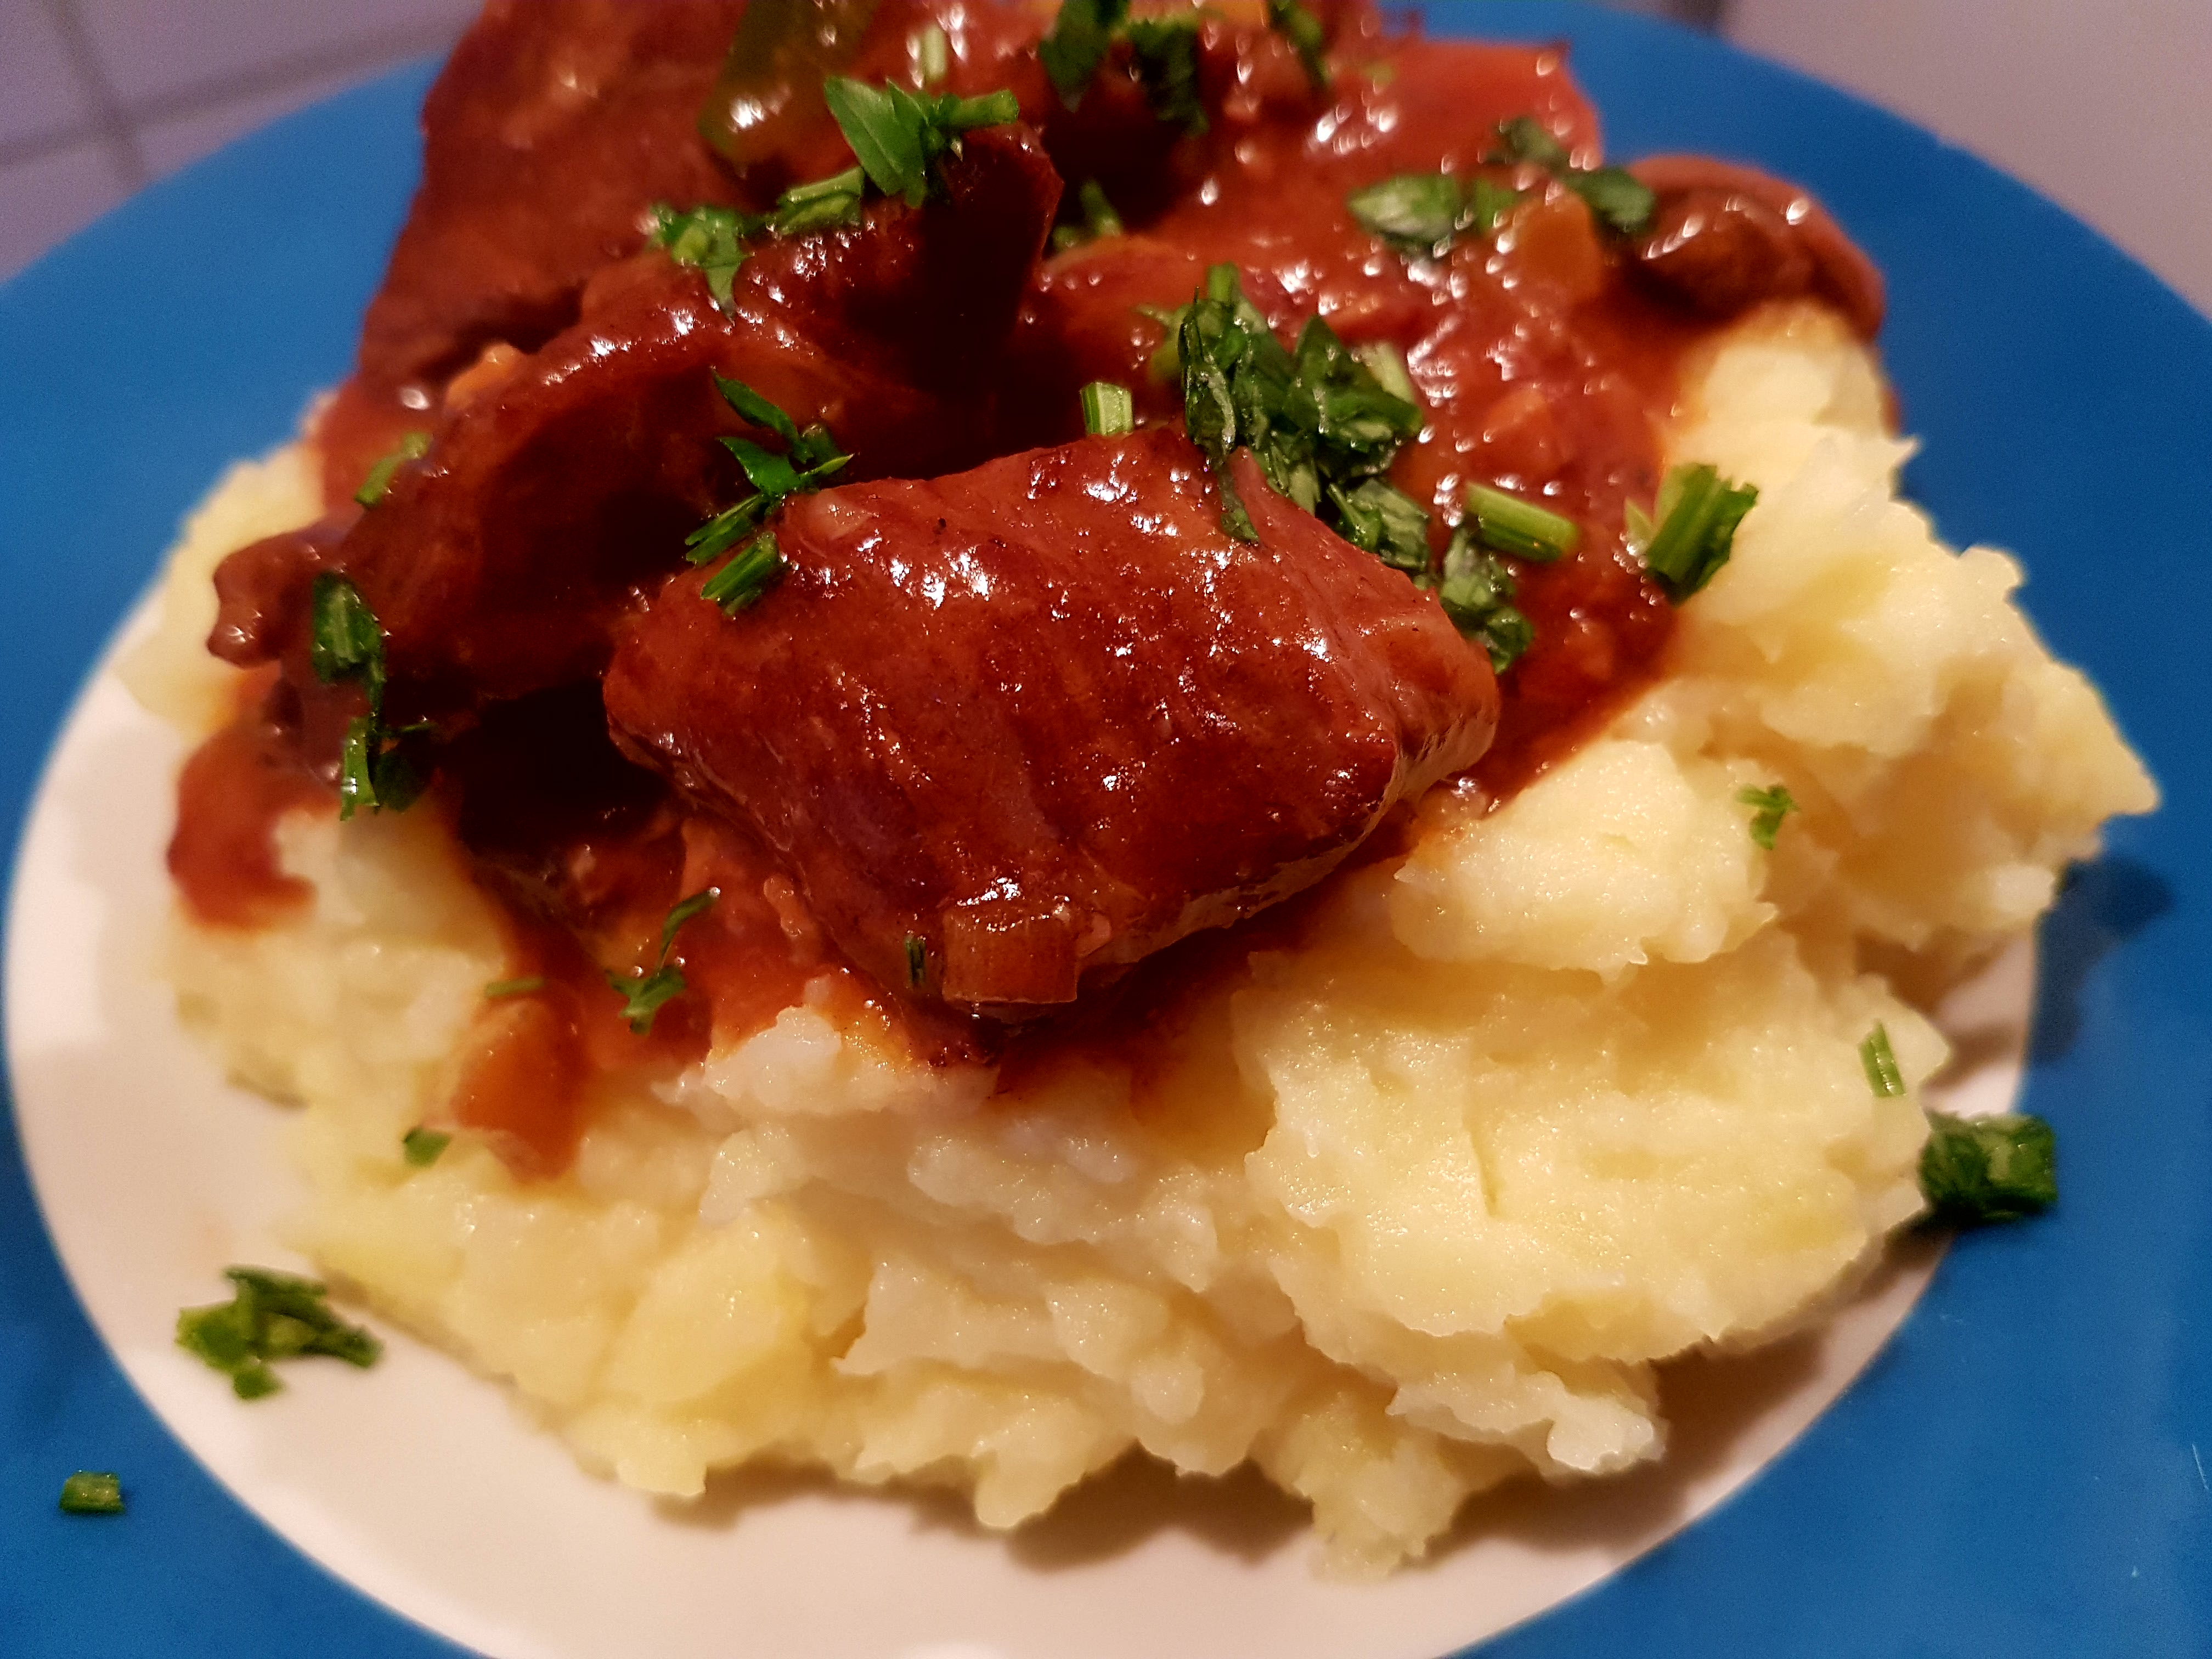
498 563
555 124
1045 717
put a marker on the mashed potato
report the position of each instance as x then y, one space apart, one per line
1400 1211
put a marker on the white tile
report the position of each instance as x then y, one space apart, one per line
170 144
40 92
2101 106
43 201
153 50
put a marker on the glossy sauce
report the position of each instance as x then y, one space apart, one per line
1546 358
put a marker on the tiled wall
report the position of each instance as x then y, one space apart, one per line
98 97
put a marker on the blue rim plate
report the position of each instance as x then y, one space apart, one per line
2019 1473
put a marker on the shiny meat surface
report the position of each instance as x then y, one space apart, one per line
1045 717
554 125
497 564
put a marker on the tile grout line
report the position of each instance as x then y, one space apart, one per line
111 120
109 125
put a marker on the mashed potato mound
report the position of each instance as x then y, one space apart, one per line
1402 1210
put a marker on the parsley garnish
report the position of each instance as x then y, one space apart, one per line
1618 200
1507 524
420 1147
1303 31
898 136
270 1315
1697 514
739 585
1976 1170
810 458
917 960
90 1492
1419 214
823 204
1320 422
1476 593
1108 410
1163 51
643 992
1773 804
1081 35
379 767
515 988
712 239
412 446
1099 219
1879 1061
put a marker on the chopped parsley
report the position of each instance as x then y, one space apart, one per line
1879 1061
271 1317
823 204
1108 410
809 458
1774 805
898 136
412 446
710 239
1099 219
1507 524
422 1147
1615 196
1691 530
642 992
379 767
1420 213
740 584
917 960
515 988
1162 51
1476 592
1308 38
91 1491
1320 422
1976 1170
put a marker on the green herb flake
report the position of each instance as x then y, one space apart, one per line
1773 805
1879 1061
711 239
91 1491
1691 528
1108 410
514 987
1476 592
344 640
422 1147
1420 214
412 446
917 960
742 583
1163 51
897 135
1321 423
1618 200
932 51
1507 524
645 991
1974 1171
1308 38
271 1317
1082 34
1099 219
825 204
1388 365
378 767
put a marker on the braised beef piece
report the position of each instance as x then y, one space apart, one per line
498 564
1043 718
554 125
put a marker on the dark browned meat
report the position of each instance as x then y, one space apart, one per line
554 125
1044 717
498 563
